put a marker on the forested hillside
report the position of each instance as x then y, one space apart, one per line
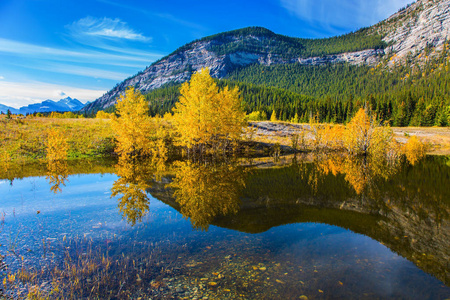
264 41
333 93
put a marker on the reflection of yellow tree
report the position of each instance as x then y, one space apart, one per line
206 191
359 172
57 173
57 149
134 178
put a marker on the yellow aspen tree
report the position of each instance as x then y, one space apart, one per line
57 146
204 115
133 125
57 150
273 117
364 136
414 150
102 115
358 133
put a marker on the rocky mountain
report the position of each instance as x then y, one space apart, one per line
4 109
63 105
422 26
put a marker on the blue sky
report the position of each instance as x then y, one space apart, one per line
51 49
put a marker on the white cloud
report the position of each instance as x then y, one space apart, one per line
17 94
59 93
104 28
57 54
79 70
1 77
343 14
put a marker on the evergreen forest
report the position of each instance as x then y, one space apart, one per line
400 95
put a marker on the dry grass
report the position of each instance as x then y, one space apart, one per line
25 139
437 138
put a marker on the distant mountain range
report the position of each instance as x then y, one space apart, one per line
63 105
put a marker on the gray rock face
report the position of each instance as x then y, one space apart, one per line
426 22
178 67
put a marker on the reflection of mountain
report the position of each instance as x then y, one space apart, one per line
407 211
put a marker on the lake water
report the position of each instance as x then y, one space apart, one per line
299 228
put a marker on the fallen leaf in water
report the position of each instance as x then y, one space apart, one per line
279 281
340 283
303 297
212 283
320 291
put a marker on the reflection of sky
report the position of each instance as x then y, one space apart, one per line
84 207
33 193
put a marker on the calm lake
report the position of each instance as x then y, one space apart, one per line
306 227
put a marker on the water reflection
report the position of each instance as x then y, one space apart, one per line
311 223
135 177
57 172
207 190
361 173
402 206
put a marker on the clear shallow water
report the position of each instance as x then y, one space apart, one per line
290 231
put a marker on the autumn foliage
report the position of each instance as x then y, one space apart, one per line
205 191
133 126
57 147
362 136
414 150
206 117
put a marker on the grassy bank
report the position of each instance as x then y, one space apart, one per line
25 139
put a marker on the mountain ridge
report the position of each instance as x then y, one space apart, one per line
427 21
